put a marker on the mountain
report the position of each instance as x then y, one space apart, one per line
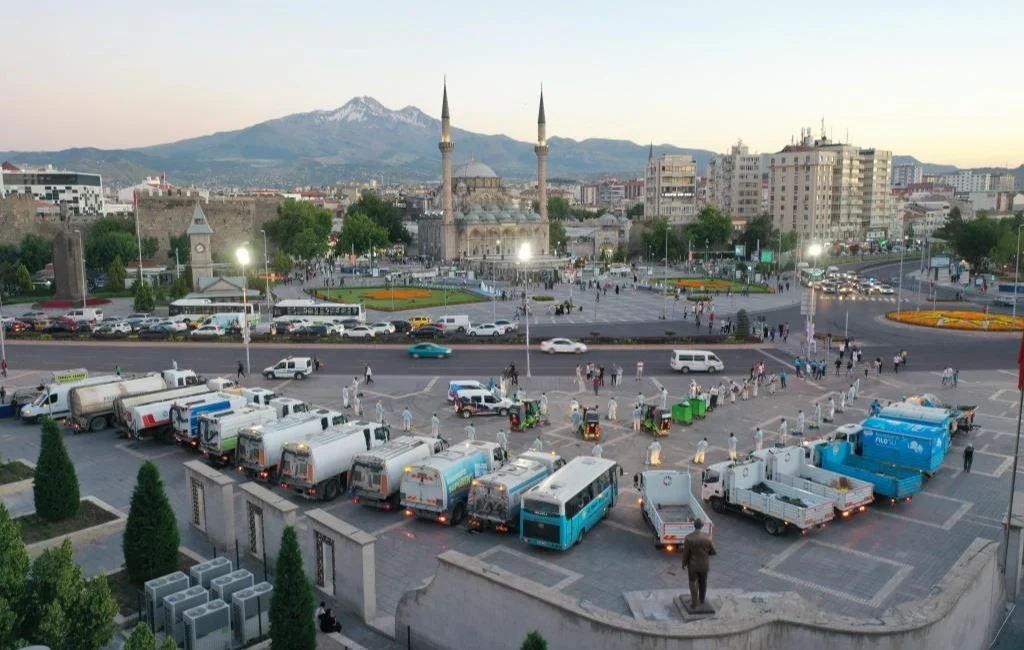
363 139
929 168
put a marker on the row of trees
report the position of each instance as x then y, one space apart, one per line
712 230
18 263
982 242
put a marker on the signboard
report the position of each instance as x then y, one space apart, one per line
939 262
768 256
740 250
69 376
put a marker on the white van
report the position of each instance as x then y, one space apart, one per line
456 385
88 313
290 368
54 400
695 361
458 324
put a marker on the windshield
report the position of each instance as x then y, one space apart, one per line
40 399
540 507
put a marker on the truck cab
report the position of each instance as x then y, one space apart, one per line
286 406
179 378
258 396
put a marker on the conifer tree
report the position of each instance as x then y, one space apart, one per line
291 606
151 536
55 489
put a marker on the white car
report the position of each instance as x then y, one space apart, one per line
174 325
486 329
507 325
885 290
119 327
562 346
382 327
359 332
208 330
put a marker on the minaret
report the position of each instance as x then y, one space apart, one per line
541 149
446 146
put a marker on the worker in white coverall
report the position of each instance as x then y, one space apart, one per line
702 448
783 432
801 421
831 412
637 415
842 402
597 450
654 453
502 439
355 386
357 406
664 398
856 388
613 409
732 447
544 404
537 444
758 439
344 396
851 394
470 432
816 424
639 399
406 419
379 409
435 426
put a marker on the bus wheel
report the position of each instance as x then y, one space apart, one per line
331 490
458 513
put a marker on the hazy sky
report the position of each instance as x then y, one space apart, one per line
938 80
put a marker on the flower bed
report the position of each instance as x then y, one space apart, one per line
398 294
972 321
710 284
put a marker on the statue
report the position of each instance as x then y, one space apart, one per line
697 551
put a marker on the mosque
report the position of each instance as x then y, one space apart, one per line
480 224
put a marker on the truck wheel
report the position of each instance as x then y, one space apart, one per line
465 414
331 490
772 526
503 413
717 505
458 514
98 424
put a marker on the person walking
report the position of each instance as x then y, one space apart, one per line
240 373
613 409
732 447
406 419
783 432
758 439
597 384
637 414
639 370
368 375
968 457
697 551
702 448
435 426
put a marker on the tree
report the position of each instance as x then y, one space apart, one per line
145 301
620 254
291 626
108 238
360 234
760 231
116 274
975 240
35 252
281 264
151 536
558 208
712 228
141 638
22 280
656 236
301 229
169 644
383 213
150 247
534 641
181 245
55 489
742 324
635 211
13 572
557 237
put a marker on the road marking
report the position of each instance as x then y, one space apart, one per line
947 525
138 454
570 576
395 526
775 358
627 528
996 395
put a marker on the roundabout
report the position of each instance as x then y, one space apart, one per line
399 298
962 320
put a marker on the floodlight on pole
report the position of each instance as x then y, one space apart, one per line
525 253
242 255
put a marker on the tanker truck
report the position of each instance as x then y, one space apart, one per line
92 407
317 466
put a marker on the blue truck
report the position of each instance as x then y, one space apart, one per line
890 481
185 414
926 415
438 489
896 442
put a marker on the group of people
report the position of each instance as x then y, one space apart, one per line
950 377
593 375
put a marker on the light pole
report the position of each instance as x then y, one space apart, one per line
524 256
494 287
3 328
81 247
899 291
242 254
1016 274
814 250
266 272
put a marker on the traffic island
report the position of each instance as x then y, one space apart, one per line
94 520
16 477
961 320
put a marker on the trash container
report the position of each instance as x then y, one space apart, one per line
699 407
682 413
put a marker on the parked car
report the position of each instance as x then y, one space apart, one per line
208 330
427 332
507 325
317 330
486 329
562 346
290 368
157 332
401 326
14 325
173 325
429 351
349 323
32 316
359 332
42 323
383 328
117 327
419 321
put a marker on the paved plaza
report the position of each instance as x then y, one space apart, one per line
860 567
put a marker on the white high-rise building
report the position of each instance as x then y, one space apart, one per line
734 182
967 180
670 189
904 175
81 193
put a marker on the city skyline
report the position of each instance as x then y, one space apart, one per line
149 76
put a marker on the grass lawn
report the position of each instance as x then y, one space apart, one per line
708 285
405 298
14 471
127 594
35 529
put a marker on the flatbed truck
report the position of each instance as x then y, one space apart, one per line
791 466
669 506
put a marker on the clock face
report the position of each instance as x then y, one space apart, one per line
200 248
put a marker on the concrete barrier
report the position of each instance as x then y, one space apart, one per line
266 515
212 498
342 563
18 487
962 613
85 535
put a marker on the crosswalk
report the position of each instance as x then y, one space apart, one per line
858 298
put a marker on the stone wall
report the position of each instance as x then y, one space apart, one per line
18 218
963 611
234 220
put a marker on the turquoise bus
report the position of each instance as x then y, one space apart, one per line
557 512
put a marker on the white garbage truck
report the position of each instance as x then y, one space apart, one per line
258 450
54 399
218 432
92 407
669 507
438 488
377 474
791 466
123 405
318 466
495 499
743 488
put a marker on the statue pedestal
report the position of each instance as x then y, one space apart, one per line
690 613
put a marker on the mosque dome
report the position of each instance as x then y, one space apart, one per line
473 169
608 219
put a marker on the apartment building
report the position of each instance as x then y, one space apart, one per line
734 182
610 194
670 188
800 191
81 193
904 175
925 217
1003 182
967 180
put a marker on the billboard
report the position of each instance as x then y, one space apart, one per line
768 256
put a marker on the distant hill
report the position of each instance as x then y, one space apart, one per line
929 168
362 139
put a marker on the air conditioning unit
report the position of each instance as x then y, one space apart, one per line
250 615
208 627
176 604
155 590
203 574
224 586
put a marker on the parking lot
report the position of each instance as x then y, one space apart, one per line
859 567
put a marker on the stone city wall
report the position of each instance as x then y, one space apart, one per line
18 218
963 612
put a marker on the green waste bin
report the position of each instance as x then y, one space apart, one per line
700 408
682 413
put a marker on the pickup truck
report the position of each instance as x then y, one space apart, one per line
495 499
438 489
790 465
377 474
669 507
743 488
317 467
889 481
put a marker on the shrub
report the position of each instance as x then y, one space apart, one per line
543 298
151 536
699 298
534 641
742 324
141 638
144 299
291 625
55 490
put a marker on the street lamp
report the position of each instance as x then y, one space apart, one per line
524 256
81 247
242 254
494 286
1016 279
266 272
814 250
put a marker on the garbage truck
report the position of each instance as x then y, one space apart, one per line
495 499
889 481
185 414
792 466
904 444
743 488
317 467
92 407
218 432
124 404
258 450
669 507
54 399
438 488
377 474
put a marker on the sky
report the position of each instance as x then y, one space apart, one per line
935 80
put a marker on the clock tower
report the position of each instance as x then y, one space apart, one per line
199 233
